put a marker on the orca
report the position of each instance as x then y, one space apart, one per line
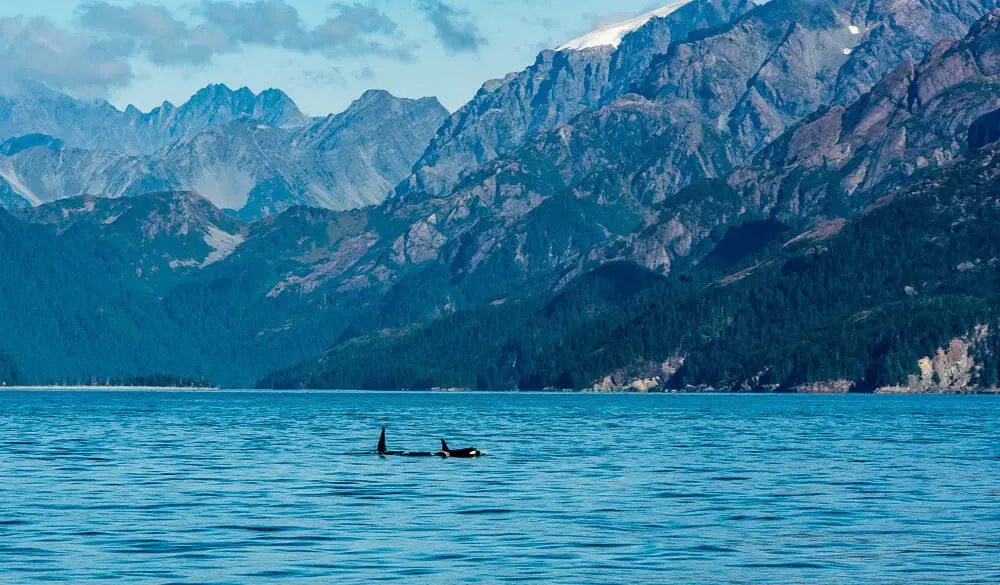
444 453
384 452
468 453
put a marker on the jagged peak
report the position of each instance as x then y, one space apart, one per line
372 95
381 97
274 95
213 89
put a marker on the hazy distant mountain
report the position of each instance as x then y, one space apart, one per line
250 153
32 108
351 159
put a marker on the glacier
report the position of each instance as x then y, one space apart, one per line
611 36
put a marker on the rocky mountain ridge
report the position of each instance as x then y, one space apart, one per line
32 108
558 86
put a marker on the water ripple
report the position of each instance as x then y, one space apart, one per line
247 488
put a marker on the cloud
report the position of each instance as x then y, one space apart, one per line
37 49
356 30
331 76
452 27
95 57
353 29
155 32
262 22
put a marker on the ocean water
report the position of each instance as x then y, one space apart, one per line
228 487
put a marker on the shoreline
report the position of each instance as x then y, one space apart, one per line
111 388
182 389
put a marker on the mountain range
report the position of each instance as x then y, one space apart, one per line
256 154
718 195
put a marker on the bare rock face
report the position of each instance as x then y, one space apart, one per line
641 377
745 86
833 162
827 387
913 119
951 370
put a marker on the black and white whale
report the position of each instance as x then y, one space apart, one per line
469 453
445 452
383 451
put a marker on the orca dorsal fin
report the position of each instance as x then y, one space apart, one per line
444 446
381 442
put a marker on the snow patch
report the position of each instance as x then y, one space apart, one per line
175 264
223 185
14 180
847 51
854 30
613 35
223 244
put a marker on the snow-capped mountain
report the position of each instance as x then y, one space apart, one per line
558 86
611 36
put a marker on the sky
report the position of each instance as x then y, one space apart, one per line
323 53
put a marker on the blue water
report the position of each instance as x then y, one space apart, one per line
264 488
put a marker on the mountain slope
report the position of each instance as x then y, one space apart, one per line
840 158
69 310
558 86
157 235
167 283
614 244
918 117
609 186
363 152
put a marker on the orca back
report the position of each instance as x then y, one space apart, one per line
381 442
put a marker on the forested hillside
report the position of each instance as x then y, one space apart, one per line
858 300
